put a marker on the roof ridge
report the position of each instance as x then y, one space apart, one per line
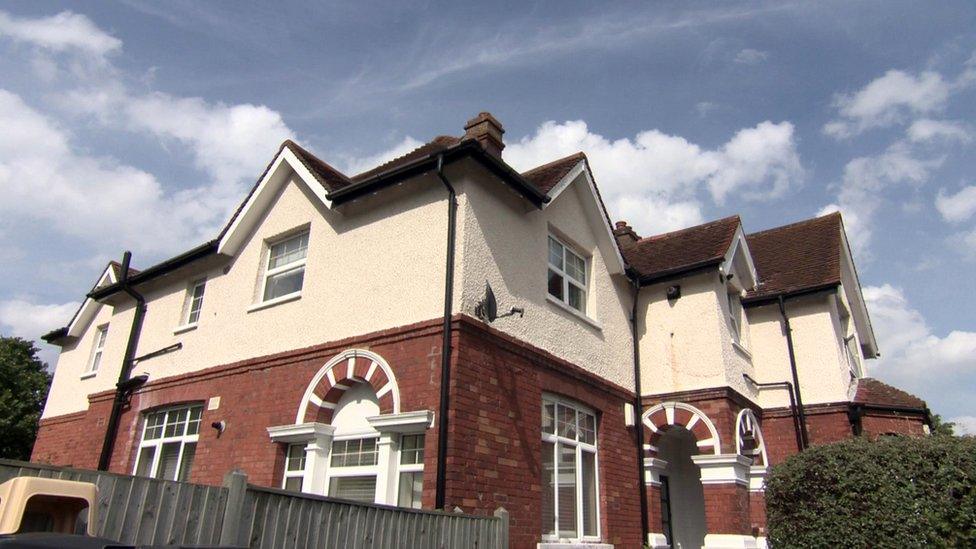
444 141
310 157
660 236
578 154
807 221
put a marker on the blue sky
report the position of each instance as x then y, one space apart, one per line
129 125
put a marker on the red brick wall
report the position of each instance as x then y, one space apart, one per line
875 424
727 509
495 446
757 511
654 511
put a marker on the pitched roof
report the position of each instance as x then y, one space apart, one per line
801 256
547 176
117 269
329 177
680 251
436 145
873 392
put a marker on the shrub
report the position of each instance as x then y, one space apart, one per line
893 492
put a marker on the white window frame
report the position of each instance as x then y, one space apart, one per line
338 471
407 467
191 299
735 316
297 473
581 447
98 350
567 279
281 269
158 443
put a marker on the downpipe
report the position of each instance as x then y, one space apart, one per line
801 414
446 343
638 408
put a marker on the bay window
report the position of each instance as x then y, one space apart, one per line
411 481
294 468
567 275
353 469
168 443
569 468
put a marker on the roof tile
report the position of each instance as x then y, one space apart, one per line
547 176
676 251
796 257
872 391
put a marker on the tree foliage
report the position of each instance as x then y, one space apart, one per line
24 382
893 492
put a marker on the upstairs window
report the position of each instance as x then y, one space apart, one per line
98 348
567 275
169 442
195 302
285 270
735 316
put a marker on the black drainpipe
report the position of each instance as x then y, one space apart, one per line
638 409
125 386
446 344
790 390
805 436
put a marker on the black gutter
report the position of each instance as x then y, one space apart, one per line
638 409
767 299
790 390
796 377
432 161
678 272
446 342
157 270
125 386
55 335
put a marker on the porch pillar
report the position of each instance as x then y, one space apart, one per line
725 483
757 502
653 469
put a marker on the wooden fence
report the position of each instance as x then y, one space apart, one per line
144 511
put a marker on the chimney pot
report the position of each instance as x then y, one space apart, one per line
624 233
486 130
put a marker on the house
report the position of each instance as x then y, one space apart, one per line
444 331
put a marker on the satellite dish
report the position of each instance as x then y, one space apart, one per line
487 309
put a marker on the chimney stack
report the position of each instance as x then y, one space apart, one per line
486 130
625 233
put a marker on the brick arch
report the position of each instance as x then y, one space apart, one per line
746 423
338 375
658 419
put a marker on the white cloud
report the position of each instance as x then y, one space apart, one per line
887 100
45 180
957 207
63 32
925 129
750 56
29 320
964 425
913 357
861 190
661 170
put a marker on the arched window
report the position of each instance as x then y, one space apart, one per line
350 440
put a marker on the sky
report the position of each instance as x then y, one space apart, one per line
140 126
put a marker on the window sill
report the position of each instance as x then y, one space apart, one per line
88 375
275 301
573 545
184 328
742 351
574 312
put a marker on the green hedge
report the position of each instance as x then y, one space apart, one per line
894 492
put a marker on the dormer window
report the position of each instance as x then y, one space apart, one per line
567 275
285 271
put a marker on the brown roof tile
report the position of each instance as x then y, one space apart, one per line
328 176
677 251
438 144
796 257
871 391
547 176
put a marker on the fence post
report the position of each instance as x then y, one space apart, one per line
236 483
502 515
